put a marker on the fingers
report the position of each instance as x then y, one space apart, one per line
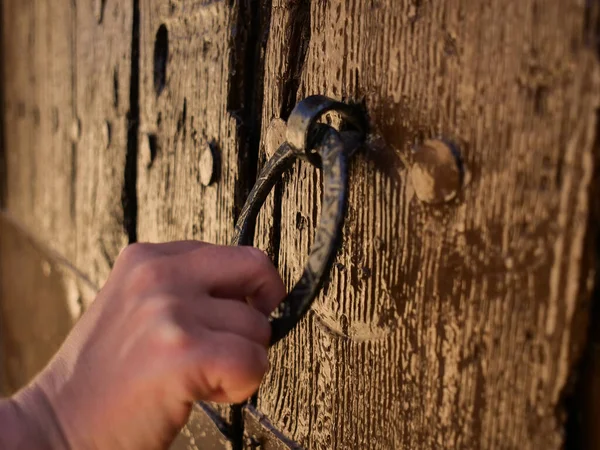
224 315
195 267
178 247
198 292
136 253
222 345
240 272
226 368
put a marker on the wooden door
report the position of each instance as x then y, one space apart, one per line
459 321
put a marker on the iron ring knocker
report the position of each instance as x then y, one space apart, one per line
328 149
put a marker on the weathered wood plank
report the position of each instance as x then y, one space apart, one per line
455 326
67 70
192 100
185 89
64 159
39 117
105 111
34 314
37 287
2 151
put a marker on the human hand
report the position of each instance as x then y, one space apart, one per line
175 323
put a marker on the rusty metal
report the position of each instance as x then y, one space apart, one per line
300 125
328 149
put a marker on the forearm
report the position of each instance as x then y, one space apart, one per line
27 421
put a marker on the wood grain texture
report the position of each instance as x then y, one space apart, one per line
442 327
192 95
38 118
103 51
457 326
37 286
182 112
66 72
33 308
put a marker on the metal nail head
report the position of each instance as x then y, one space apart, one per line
76 129
436 172
208 163
106 134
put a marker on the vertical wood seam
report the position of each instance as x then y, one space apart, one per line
75 117
299 41
299 32
578 398
3 183
2 115
240 99
581 414
244 102
129 195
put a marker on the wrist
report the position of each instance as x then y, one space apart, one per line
29 421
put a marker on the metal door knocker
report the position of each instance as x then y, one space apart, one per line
328 149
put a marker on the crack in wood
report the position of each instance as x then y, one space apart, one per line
129 194
2 118
579 398
244 102
298 30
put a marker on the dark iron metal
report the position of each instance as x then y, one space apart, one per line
205 422
328 149
260 433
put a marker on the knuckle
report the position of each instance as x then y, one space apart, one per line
172 336
258 259
133 253
155 308
250 358
159 313
237 364
246 320
147 275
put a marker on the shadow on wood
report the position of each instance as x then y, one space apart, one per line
34 313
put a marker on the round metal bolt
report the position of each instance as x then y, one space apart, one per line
436 173
276 135
208 165
76 130
106 134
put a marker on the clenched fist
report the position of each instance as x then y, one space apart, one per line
175 323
